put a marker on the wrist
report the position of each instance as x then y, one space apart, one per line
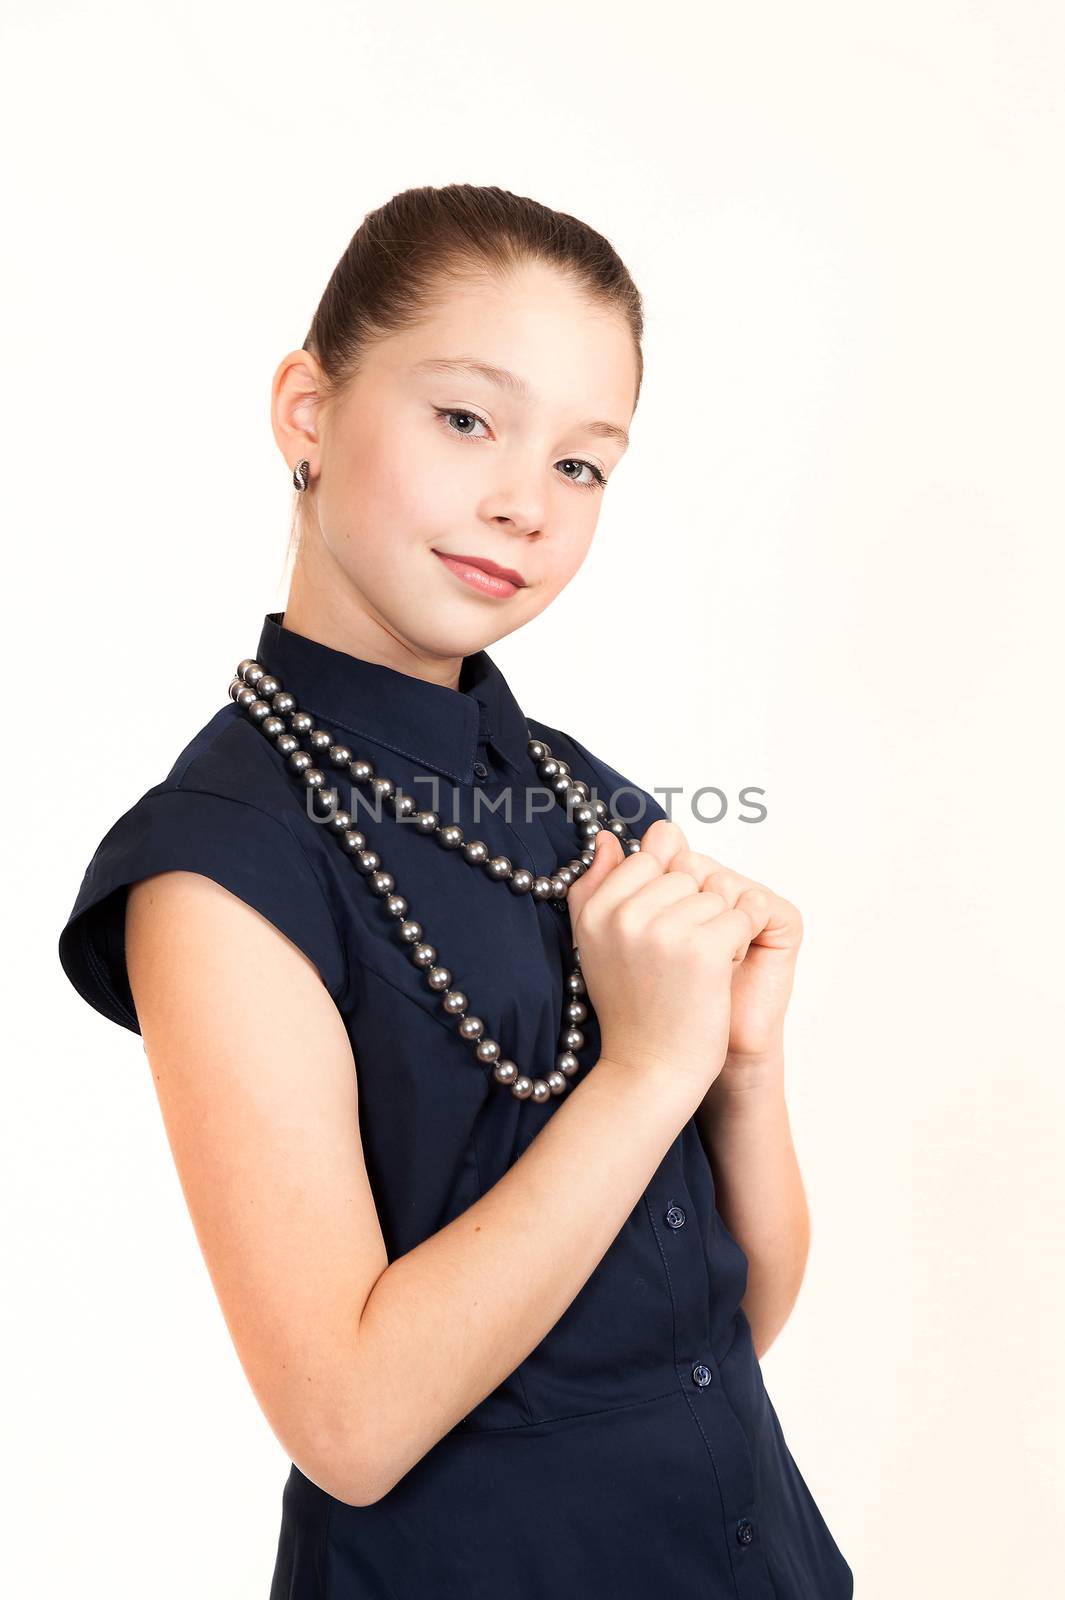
761 1073
657 1076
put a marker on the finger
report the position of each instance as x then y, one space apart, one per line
733 885
695 911
781 923
625 876
664 840
664 890
607 854
704 868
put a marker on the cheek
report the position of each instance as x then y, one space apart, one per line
567 558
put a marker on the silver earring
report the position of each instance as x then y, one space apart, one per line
300 475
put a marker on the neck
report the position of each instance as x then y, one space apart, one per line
333 613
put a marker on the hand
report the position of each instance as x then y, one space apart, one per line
762 981
658 955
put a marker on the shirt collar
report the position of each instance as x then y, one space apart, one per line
428 723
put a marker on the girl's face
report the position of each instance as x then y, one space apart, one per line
429 456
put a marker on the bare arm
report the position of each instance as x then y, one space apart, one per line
256 1082
745 1129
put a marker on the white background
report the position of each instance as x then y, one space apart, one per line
833 556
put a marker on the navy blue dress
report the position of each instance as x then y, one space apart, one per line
635 1451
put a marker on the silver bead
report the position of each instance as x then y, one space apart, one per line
267 704
323 800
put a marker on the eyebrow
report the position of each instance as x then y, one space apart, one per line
514 385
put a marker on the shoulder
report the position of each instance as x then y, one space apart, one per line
228 810
625 796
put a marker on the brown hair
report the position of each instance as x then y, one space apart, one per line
407 252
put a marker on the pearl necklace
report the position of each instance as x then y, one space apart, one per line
275 712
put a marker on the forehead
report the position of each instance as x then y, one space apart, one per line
532 335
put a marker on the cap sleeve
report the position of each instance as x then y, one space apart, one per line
249 851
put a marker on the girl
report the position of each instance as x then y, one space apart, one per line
449 1046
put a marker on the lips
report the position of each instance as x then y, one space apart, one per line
485 565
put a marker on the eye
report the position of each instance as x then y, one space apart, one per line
598 479
445 413
467 416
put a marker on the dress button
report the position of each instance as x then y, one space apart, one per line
480 769
675 1217
744 1531
701 1375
